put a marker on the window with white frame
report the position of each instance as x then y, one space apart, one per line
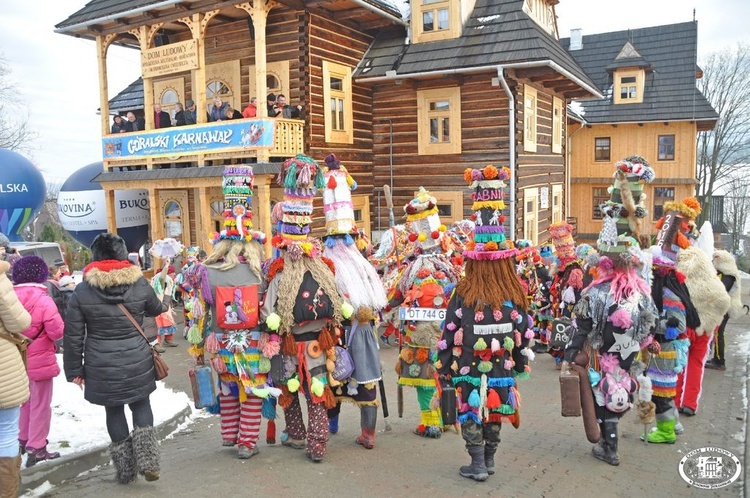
557 125
337 95
529 119
531 215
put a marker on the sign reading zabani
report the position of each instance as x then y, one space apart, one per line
168 59
225 136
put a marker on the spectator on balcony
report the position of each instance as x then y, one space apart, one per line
181 116
283 110
270 104
118 124
251 110
218 111
135 124
232 113
161 118
190 113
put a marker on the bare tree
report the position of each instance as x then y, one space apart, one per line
737 211
724 151
15 133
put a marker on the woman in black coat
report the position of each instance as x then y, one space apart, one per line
105 352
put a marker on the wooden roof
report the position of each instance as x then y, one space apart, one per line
668 53
497 32
108 16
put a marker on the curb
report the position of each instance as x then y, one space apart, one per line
70 466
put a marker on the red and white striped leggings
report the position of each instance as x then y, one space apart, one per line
240 422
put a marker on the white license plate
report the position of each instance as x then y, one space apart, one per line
422 314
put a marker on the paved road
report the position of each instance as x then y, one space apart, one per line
547 457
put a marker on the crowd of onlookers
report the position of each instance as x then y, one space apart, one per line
277 107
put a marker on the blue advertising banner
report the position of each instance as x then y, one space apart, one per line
223 136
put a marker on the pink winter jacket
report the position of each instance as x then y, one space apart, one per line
46 327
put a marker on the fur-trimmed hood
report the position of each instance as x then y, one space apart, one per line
726 265
110 273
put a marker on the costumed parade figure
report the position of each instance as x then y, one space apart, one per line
666 356
616 315
535 279
359 283
567 282
484 347
303 306
677 234
729 275
423 288
229 282
164 286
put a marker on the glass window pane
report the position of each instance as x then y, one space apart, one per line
341 114
272 82
443 22
172 210
337 84
443 105
428 23
169 97
430 2
446 130
628 79
433 130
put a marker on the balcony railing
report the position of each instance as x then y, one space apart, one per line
241 138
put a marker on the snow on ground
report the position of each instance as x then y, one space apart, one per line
78 426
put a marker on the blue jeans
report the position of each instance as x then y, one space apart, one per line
9 431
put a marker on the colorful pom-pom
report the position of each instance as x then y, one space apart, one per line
495 345
508 343
435 234
292 385
451 326
493 399
464 370
422 237
517 337
480 345
459 312
478 316
317 387
273 321
347 310
457 351
497 315
412 237
529 334
442 345
484 366
507 364
458 337
212 344
474 400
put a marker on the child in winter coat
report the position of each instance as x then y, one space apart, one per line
164 285
29 275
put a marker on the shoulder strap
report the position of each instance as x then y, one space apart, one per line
132 320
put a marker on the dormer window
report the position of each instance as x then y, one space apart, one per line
628 86
435 20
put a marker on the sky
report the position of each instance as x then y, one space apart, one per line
57 74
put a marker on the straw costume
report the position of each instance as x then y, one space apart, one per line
484 346
303 306
425 282
616 315
229 284
357 282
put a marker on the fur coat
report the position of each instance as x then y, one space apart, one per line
708 294
725 264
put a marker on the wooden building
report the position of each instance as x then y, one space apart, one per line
652 108
405 100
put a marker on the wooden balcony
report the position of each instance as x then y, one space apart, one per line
197 145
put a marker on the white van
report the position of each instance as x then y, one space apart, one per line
48 251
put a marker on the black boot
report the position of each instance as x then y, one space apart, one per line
146 451
606 450
476 470
489 456
123 460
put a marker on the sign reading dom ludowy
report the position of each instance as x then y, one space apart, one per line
168 59
224 136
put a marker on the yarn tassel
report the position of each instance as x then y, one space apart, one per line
268 410
219 366
194 336
517 336
271 432
493 400
286 398
474 399
288 344
212 343
325 341
512 398
328 398
484 412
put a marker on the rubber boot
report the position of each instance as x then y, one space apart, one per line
10 476
123 460
664 432
333 424
489 456
476 470
606 449
37 455
368 418
146 451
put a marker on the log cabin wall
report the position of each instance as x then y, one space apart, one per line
334 42
484 140
538 170
590 176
